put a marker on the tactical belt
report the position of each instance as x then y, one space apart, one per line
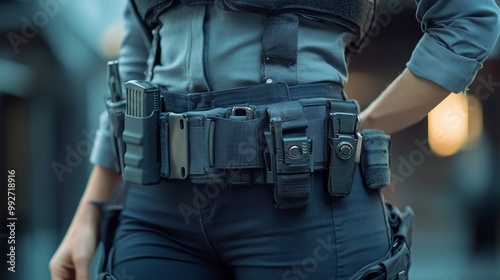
274 134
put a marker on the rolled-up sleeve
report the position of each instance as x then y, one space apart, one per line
102 152
132 64
458 36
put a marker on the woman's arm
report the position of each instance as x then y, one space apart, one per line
132 65
72 259
458 36
406 101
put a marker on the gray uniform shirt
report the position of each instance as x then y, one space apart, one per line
205 48
216 49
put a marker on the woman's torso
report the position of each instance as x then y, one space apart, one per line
205 48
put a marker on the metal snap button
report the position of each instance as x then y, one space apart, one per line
344 150
294 151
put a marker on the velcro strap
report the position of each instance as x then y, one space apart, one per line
292 190
199 130
238 144
291 113
164 144
279 48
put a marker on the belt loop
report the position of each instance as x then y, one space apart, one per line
279 49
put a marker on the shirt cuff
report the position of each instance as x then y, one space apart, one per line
434 62
102 152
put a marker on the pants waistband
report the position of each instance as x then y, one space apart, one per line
259 94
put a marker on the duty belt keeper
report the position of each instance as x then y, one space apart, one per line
345 147
290 163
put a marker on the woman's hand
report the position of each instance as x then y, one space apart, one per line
71 261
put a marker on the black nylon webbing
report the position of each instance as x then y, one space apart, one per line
238 144
292 116
279 49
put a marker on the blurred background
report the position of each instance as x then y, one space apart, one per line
53 56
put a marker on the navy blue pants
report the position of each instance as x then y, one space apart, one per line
179 230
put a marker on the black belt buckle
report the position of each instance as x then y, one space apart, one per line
345 143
